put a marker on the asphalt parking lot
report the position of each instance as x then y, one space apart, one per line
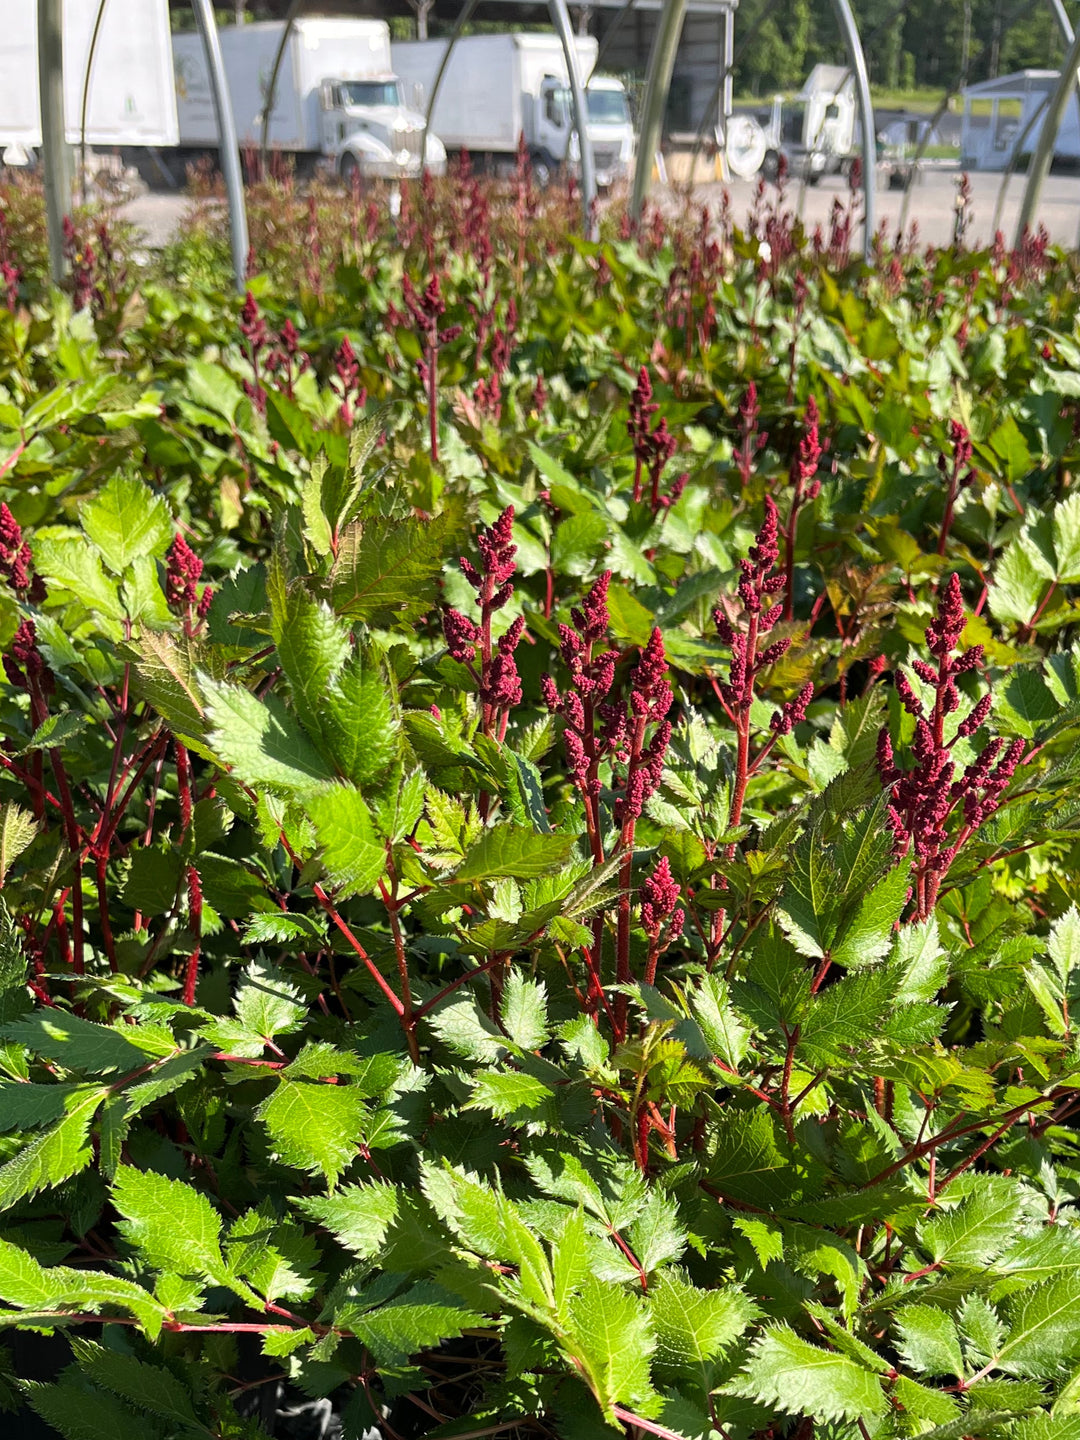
932 202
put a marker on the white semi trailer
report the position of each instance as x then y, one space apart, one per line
498 88
130 100
336 98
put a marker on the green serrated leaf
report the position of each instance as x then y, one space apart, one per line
610 1338
358 1216
797 1378
267 1004
524 1012
507 850
172 1224
262 740
353 854
126 520
315 1127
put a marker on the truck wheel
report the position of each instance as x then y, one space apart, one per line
543 168
770 166
349 169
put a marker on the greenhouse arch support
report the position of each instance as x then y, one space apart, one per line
560 19
658 83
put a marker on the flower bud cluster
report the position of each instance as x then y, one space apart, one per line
659 897
278 355
347 381
751 440
653 445
24 664
756 591
498 679
807 454
10 274
16 559
650 701
927 795
183 570
598 727
426 311
591 678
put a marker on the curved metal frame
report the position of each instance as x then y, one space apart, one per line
87 76
50 39
657 84
1010 169
560 18
1044 151
228 148
271 85
857 63
455 34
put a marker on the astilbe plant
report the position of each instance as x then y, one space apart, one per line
390 1031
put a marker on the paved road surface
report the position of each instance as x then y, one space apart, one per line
932 203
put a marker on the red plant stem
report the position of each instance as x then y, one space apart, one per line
433 398
927 1147
408 1022
101 864
436 1000
626 878
195 917
947 518
742 727
174 1326
789 552
71 830
634 1261
651 1427
183 788
652 961
786 1107
1027 632
373 970
155 745
39 795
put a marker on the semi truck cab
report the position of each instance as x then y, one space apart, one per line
610 129
367 128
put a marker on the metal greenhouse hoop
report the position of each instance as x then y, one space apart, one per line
658 83
560 18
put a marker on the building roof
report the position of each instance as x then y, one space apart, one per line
1008 87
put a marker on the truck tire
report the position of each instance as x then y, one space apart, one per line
544 168
770 166
349 170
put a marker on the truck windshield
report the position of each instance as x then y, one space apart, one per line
370 92
607 107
